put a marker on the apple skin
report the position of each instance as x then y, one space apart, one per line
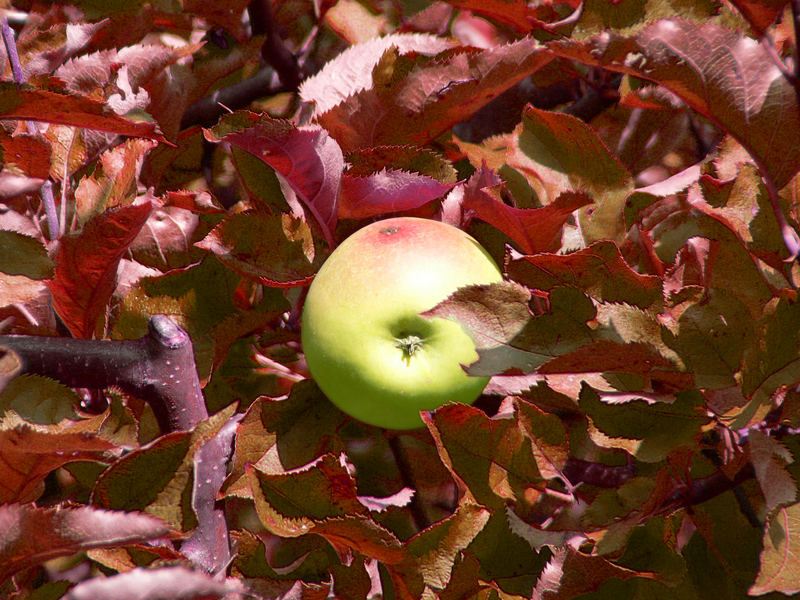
367 346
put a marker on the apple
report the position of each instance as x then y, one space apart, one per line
365 343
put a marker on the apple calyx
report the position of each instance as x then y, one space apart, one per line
409 344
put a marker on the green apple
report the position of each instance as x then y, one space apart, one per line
365 342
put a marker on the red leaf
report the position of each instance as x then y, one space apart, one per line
515 13
32 535
77 111
86 266
386 191
535 230
599 270
424 99
309 160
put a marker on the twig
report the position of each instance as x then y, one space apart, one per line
19 78
158 368
705 488
207 111
274 51
421 520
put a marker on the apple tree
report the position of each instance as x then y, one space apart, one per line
174 176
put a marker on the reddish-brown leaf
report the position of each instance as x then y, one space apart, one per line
515 13
309 160
760 13
86 266
29 453
32 535
535 230
423 100
386 191
276 250
77 111
26 154
598 270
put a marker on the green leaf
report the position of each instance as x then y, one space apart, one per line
780 558
662 427
39 400
563 154
24 255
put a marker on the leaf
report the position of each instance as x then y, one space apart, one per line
760 14
166 583
386 191
28 453
559 153
661 427
23 255
514 13
433 552
536 229
599 271
309 160
275 250
768 457
571 573
39 400
548 438
722 74
33 535
489 457
86 266
352 70
26 155
413 159
780 559
279 435
77 111
507 336
422 98
157 478
114 180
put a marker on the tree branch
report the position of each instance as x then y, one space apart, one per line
274 51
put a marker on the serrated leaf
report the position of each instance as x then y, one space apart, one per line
114 180
599 270
39 400
166 583
276 250
769 458
491 458
661 427
386 191
76 111
547 436
506 334
157 478
33 535
306 157
535 230
86 266
28 453
413 159
26 155
351 71
424 100
780 558
23 255
560 154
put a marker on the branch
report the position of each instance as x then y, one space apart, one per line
207 111
274 51
160 369
19 78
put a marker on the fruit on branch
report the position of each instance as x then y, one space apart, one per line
365 342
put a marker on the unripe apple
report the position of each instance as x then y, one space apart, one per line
367 346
